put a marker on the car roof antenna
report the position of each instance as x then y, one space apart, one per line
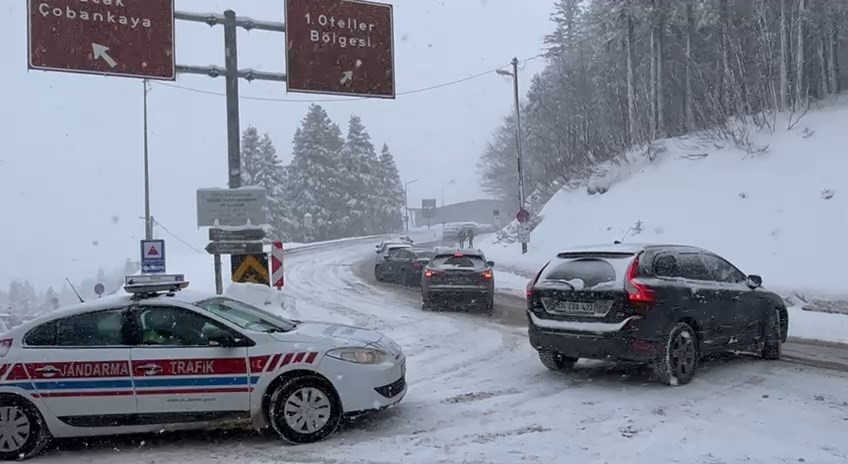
75 290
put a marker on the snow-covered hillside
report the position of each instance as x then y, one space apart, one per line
778 211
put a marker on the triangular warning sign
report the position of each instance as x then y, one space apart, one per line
153 251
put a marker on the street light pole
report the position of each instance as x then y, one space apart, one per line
148 223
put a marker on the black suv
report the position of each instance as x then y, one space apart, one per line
664 305
404 265
458 277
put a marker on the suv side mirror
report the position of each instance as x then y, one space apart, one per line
490 263
222 339
754 281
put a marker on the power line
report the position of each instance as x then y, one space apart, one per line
177 237
334 100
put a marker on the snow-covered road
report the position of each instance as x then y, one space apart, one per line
479 395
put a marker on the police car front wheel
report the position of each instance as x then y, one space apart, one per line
304 410
22 430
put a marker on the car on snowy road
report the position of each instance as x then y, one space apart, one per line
458 278
160 358
663 305
404 265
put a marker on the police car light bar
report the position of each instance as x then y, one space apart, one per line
154 283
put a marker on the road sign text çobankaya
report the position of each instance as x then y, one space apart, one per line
130 38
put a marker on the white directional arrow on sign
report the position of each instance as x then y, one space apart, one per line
347 76
100 51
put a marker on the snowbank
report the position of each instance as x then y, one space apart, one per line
779 213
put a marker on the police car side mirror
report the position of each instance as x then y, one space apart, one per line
222 339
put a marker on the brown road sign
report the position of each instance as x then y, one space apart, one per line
236 235
128 38
234 248
250 269
340 47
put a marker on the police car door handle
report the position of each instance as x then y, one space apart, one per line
150 369
47 371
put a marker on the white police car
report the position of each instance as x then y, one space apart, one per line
160 358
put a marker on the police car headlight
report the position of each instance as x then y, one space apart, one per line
358 355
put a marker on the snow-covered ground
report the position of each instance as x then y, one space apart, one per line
477 394
779 213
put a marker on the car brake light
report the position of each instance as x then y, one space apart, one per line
458 254
528 292
637 292
5 346
428 274
487 274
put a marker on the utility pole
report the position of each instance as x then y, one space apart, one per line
231 74
148 223
516 95
406 200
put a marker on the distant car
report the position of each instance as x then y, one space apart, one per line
384 246
389 249
458 278
404 265
164 359
663 305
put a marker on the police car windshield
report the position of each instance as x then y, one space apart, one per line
246 316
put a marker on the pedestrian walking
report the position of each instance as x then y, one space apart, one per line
471 238
461 237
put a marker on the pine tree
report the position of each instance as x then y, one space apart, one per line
360 163
315 183
47 303
262 168
390 194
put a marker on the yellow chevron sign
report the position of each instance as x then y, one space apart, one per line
251 269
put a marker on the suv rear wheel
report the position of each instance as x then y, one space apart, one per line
677 361
772 348
556 361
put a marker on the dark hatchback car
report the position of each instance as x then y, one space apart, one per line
663 305
404 265
458 278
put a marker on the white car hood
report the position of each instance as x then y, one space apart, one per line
346 335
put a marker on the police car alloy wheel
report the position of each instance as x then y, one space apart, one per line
22 432
304 410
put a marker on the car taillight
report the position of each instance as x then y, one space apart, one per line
637 292
487 275
528 292
5 346
430 274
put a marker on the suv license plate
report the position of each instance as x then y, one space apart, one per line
574 307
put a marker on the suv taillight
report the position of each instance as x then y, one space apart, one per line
429 273
637 292
528 292
487 275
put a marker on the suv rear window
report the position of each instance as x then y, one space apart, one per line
459 262
587 271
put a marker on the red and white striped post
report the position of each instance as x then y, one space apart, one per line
277 276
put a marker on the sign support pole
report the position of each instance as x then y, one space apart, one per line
148 222
231 74
233 130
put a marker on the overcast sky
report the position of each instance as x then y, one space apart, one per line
71 182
